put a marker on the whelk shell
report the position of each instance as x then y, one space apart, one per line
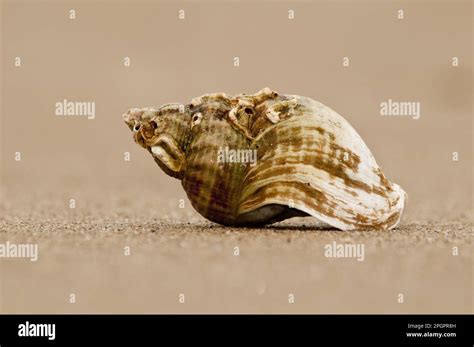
309 161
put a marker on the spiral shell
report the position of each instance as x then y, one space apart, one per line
257 159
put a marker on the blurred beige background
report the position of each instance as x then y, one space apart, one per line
134 204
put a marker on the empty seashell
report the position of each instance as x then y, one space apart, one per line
250 160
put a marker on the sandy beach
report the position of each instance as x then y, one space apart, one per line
174 251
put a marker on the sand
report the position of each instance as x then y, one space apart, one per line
173 251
